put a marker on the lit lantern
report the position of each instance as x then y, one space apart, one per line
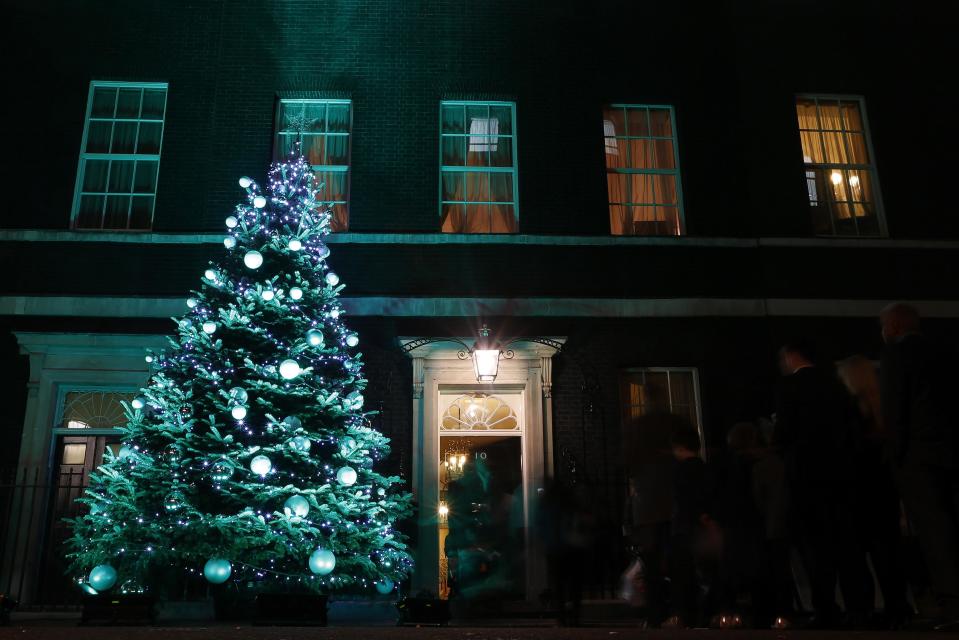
217 570
102 577
485 357
322 561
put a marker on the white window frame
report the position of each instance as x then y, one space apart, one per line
64 389
85 156
870 167
697 398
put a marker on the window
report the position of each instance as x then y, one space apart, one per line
674 389
323 127
840 176
120 156
93 409
642 170
478 191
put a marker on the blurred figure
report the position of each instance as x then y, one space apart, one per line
469 545
918 382
876 505
566 523
688 528
814 415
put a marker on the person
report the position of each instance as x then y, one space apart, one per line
918 384
876 505
688 527
813 418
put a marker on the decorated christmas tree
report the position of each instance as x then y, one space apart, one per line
248 457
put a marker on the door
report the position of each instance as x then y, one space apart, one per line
482 514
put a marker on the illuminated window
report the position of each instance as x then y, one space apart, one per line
323 127
94 409
478 191
120 156
840 174
672 389
642 170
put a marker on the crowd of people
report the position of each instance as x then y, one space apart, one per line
817 496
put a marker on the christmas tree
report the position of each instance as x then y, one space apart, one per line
248 456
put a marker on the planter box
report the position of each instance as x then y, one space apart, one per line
423 611
106 609
174 612
290 609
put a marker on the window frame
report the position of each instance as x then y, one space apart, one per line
871 167
624 405
676 171
63 389
513 169
84 156
346 169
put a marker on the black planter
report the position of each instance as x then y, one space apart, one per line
423 611
290 609
128 609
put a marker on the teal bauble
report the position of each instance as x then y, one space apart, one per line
221 471
322 561
296 506
384 586
217 570
300 443
315 338
102 577
347 446
346 476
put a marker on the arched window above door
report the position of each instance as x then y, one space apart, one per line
479 412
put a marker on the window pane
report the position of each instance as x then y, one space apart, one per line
121 176
835 148
337 150
153 104
149 139
860 186
146 173
98 137
95 175
501 152
641 189
478 155
104 101
829 115
639 153
335 185
617 186
645 222
128 103
117 212
454 151
616 118
90 213
669 217
501 187
314 149
806 112
502 218
476 117
341 220
453 117
857 148
74 453
850 116
453 218
811 146
453 185
477 187
665 189
637 122
662 154
124 137
338 118
477 218
503 117
619 220
141 212
660 123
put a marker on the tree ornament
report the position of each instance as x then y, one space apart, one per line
347 446
148 358
334 313
259 202
245 182
384 586
315 338
221 471
296 293
138 402
295 245
172 502
296 506
322 561
300 443
210 274
332 279
231 222
191 302
289 369
217 570
355 399
239 395
238 412
352 340
253 259
292 422
323 251
381 491
125 452
346 476
209 327
229 242
268 294
102 577
260 465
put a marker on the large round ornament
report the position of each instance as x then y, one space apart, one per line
315 337
217 570
173 502
292 422
300 443
323 251
102 577
259 202
296 506
332 279
221 471
239 395
191 302
347 446
289 369
125 452
268 294
229 242
209 274
231 221
253 259
296 293
384 586
260 465
238 412
322 561
245 182
352 340
356 399
209 327
346 476
138 402
295 245
148 359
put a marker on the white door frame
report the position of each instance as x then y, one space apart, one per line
438 363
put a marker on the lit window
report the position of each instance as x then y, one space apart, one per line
642 170
120 156
673 389
840 175
94 409
478 167
323 127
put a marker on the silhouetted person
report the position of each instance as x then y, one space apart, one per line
919 387
566 524
814 415
876 504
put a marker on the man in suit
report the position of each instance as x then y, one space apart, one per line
919 388
814 429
